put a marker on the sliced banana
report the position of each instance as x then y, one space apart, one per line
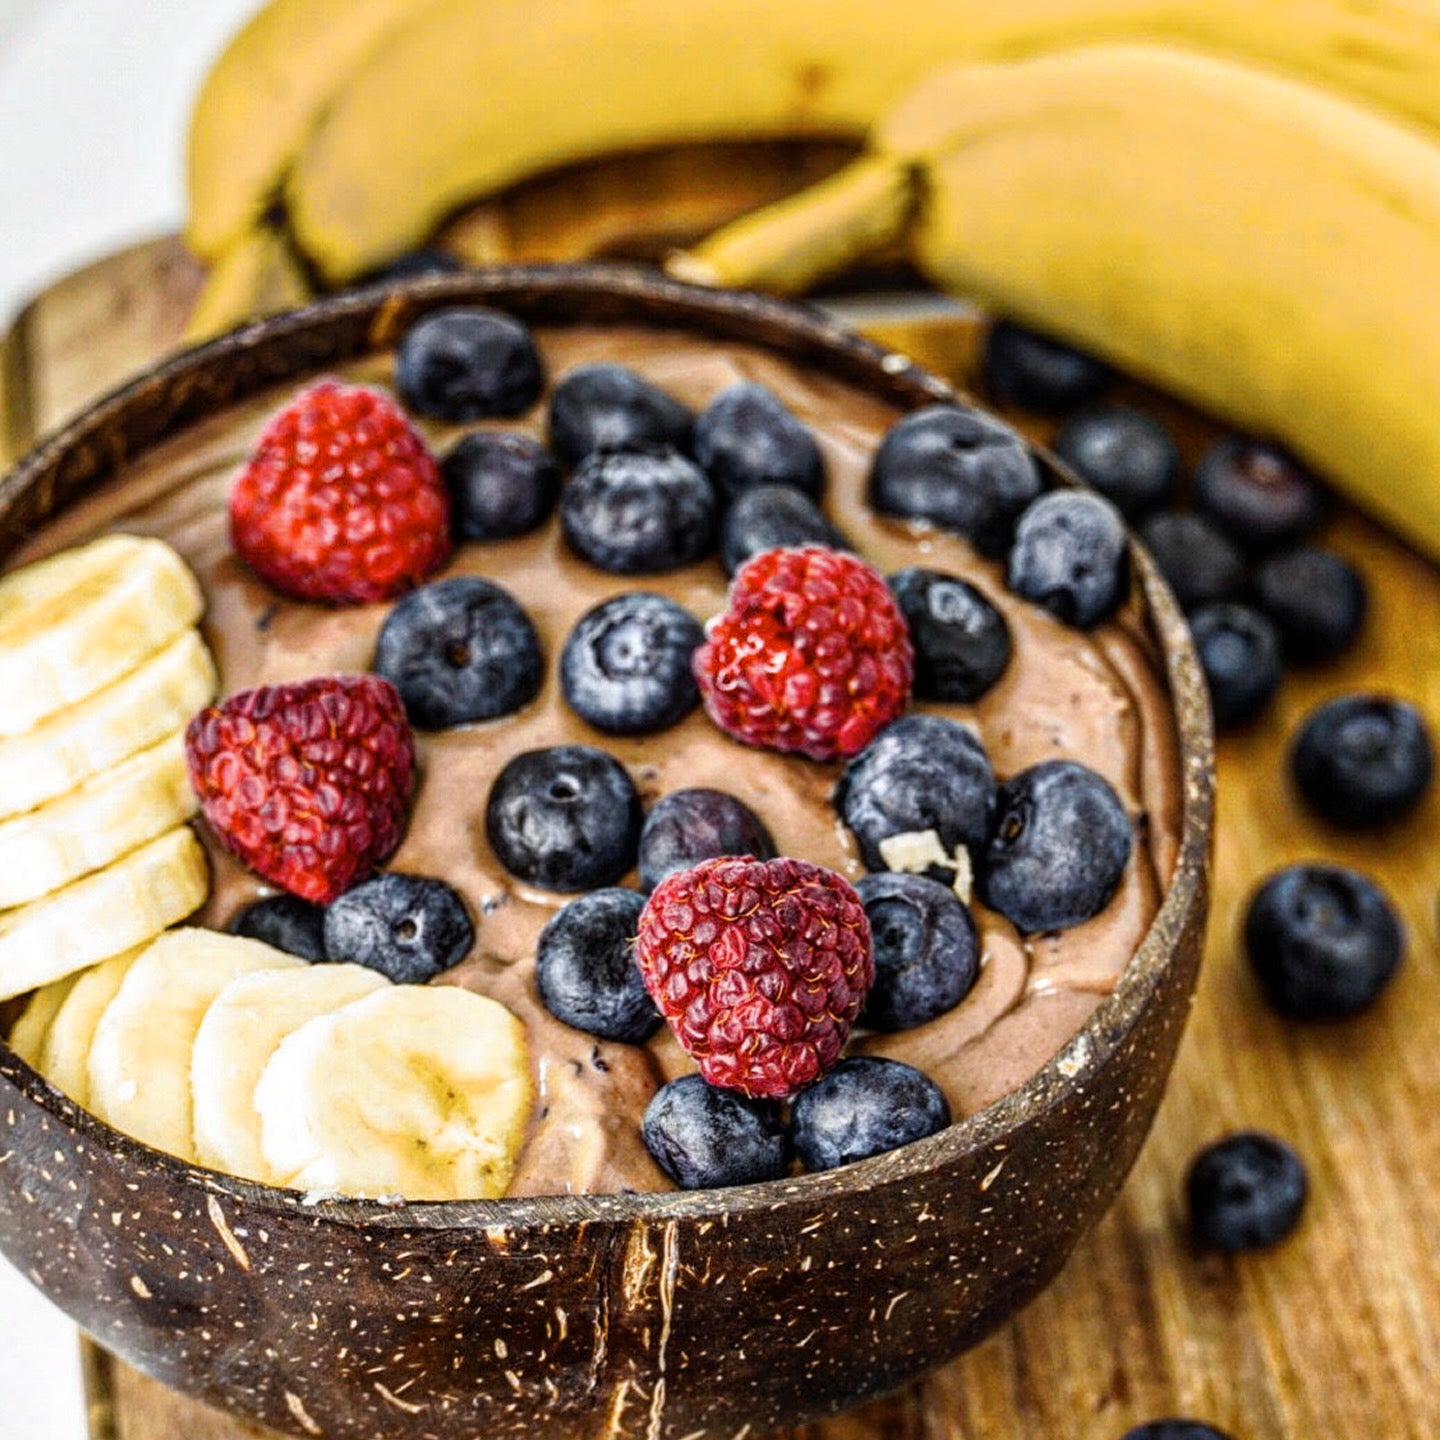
237 1037
65 1058
68 747
112 910
72 624
105 818
27 1039
418 1090
140 1058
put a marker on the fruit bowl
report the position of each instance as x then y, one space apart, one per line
678 1314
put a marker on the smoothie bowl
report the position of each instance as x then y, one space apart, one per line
589 1294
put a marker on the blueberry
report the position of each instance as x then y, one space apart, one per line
1245 1192
606 407
407 927
688 826
468 364
1022 367
1128 457
863 1107
500 485
1316 599
566 818
1258 494
773 517
746 437
459 650
285 921
1362 760
415 264
703 1138
921 773
638 512
927 954
958 468
1174 1430
626 666
1239 651
1070 557
1323 940
1058 847
585 968
962 643
1198 562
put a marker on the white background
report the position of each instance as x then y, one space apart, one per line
94 96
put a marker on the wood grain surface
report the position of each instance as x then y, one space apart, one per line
1334 1335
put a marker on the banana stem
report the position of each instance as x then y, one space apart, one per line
259 275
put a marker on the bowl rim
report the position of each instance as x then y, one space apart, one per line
751 318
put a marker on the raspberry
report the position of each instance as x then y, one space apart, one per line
307 784
813 655
341 500
760 966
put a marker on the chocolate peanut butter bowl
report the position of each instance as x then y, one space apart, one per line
590 1296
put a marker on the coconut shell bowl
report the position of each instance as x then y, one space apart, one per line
663 1315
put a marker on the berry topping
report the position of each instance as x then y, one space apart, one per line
760 966
1058 847
341 500
414 264
688 826
1245 1192
773 517
500 485
626 666
864 1107
1199 564
746 437
605 407
638 512
1258 494
1070 558
1174 1430
1022 367
812 655
1324 941
457 651
1127 456
1362 760
927 953
958 468
703 1138
1316 599
923 773
962 643
585 968
468 364
285 921
1239 651
307 784
408 927
565 818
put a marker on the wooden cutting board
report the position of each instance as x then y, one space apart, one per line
1334 1334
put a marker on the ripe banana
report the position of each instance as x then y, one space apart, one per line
237 1037
107 912
65 1058
258 275
27 1039
140 1058
74 623
463 98
421 1091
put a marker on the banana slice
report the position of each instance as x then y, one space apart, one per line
239 1034
27 1039
67 748
140 1057
72 624
112 910
105 818
65 1058
418 1090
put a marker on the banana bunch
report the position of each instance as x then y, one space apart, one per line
228 1052
100 669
